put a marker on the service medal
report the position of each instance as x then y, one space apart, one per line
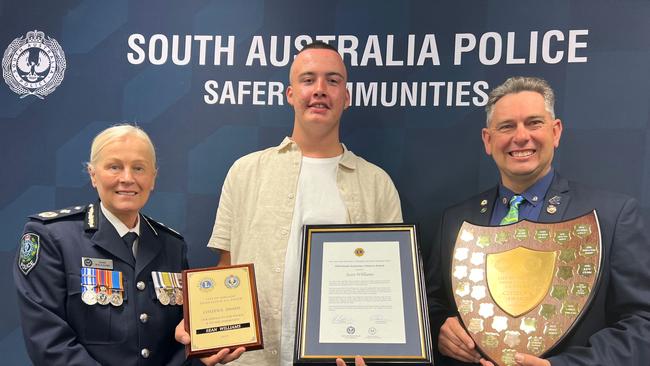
177 283
179 296
116 299
88 284
163 298
172 297
89 297
168 287
103 283
102 297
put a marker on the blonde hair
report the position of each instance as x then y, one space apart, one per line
114 133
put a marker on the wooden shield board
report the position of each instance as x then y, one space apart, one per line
522 287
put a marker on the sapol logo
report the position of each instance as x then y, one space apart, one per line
33 65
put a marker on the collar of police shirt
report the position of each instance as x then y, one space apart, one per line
121 228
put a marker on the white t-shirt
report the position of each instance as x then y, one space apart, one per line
317 202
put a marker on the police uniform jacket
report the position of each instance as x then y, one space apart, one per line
59 328
615 329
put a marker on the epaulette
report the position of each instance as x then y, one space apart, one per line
153 224
58 214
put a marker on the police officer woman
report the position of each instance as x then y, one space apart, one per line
99 284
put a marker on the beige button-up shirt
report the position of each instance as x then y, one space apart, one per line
255 214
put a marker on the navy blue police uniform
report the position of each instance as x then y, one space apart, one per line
59 328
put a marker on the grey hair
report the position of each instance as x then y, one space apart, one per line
114 133
517 84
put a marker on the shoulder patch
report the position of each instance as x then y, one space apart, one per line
159 225
30 245
53 215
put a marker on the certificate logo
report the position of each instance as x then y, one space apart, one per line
350 329
359 252
206 284
33 65
232 281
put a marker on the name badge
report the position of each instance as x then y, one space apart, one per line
100 263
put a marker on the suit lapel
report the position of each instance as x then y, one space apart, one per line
477 211
481 210
149 245
107 237
556 201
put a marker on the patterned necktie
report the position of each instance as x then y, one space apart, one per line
513 212
129 239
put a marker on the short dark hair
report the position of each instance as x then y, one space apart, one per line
517 84
318 45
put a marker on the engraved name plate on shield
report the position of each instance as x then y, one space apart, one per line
522 287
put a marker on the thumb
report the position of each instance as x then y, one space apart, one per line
358 361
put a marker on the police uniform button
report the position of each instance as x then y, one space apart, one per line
145 353
140 285
143 318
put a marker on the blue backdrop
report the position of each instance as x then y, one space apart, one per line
419 71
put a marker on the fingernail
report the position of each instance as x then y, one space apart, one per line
519 358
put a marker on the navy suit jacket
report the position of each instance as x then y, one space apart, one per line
59 329
615 330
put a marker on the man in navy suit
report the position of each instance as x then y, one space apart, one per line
522 134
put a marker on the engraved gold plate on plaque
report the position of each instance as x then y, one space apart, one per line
519 278
522 287
220 309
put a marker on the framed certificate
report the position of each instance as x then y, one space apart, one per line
220 309
362 293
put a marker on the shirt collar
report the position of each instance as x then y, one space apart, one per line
117 223
534 195
348 159
286 143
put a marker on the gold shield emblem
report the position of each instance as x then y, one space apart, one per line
520 278
521 287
